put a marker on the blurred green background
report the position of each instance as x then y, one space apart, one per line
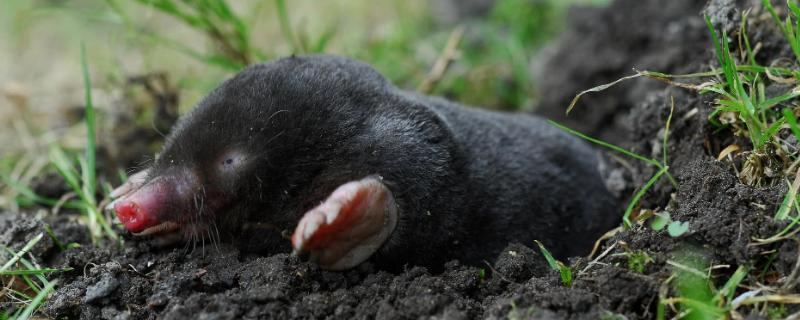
197 44
151 60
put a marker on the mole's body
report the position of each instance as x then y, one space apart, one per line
325 146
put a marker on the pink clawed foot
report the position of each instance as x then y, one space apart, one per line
349 226
134 182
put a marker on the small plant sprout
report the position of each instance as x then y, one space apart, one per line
564 270
662 165
660 220
664 220
697 296
638 260
677 228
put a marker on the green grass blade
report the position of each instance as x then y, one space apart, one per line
322 42
718 49
37 301
751 58
729 288
66 169
718 90
566 274
771 102
768 5
31 272
88 172
730 105
769 133
786 205
694 287
564 271
25 191
792 121
28 246
604 144
101 220
701 309
30 266
88 192
793 7
789 199
626 218
794 221
547 256
286 26
49 231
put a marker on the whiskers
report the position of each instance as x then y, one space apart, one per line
201 226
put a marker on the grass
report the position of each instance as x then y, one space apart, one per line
564 270
791 30
81 177
25 286
489 70
697 297
229 32
84 185
662 165
743 108
742 104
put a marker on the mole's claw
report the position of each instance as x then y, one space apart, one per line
133 183
349 226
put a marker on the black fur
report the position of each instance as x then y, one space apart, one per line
467 181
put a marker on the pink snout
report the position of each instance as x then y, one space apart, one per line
133 216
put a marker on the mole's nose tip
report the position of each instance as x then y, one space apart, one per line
132 216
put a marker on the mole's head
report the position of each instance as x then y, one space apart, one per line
246 148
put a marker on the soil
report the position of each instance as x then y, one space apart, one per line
141 281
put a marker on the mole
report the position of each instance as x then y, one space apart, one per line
323 156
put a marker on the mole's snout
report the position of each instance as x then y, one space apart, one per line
144 211
133 217
157 206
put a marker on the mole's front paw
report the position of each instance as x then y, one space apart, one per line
349 226
134 182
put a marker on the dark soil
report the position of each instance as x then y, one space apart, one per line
138 281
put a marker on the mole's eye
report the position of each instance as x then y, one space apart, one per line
231 161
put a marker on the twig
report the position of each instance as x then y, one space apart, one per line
602 238
440 66
601 256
